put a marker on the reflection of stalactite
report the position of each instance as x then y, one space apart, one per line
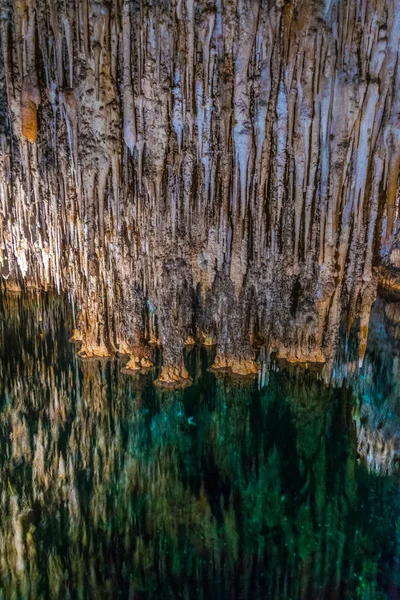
249 143
376 384
177 490
378 442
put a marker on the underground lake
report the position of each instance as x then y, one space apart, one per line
275 486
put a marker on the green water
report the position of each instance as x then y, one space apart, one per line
113 488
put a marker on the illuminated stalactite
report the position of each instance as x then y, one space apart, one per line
235 163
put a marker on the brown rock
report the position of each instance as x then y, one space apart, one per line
29 120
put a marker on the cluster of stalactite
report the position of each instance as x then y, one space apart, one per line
180 493
223 170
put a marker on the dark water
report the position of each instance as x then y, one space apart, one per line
112 488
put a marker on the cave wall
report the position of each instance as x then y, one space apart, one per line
225 170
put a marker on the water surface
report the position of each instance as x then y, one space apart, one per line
113 488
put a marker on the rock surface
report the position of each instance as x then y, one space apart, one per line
225 170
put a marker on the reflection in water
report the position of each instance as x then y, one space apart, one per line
112 488
377 386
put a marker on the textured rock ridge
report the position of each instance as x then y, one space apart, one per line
221 169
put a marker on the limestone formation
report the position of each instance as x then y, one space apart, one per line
225 170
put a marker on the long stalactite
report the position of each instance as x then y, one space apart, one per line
215 170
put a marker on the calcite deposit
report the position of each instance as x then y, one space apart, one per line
225 170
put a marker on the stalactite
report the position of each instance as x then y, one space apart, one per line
200 158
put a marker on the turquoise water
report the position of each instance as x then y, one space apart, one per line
113 488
